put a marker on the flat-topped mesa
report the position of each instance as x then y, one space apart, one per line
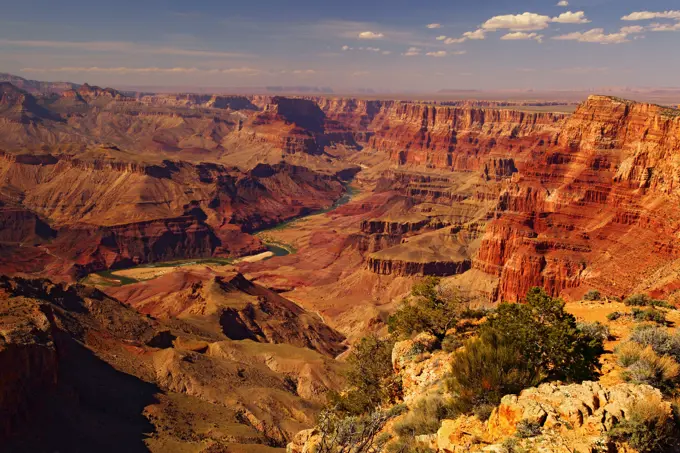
644 138
443 252
401 268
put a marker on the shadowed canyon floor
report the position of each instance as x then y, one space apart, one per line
228 248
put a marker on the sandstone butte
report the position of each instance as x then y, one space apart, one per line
494 197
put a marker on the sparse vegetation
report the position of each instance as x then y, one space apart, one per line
354 433
649 428
643 300
451 342
661 341
614 315
370 378
649 315
548 337
425 417
592 295
595 330
526 428
644 366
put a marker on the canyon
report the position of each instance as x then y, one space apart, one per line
493 198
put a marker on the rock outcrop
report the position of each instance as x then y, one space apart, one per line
576 417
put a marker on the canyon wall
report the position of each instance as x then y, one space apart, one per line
592 210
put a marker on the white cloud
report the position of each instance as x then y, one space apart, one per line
459 52
119 46
434 25
477 34
370 35
520 35
632 30
438 54
412 52
563 3
468 35
647 15
578 17
360 73
519 22
366 49
454 40
304 71
596 35
665 27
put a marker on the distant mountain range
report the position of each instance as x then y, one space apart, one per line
36 86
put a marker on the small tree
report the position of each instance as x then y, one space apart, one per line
519 346
548 337
370 378
430 308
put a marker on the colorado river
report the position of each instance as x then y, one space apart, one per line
280 249
110 276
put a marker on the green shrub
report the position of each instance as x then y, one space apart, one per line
518 346
593 294
643 300
526 428
614 315
595 330
425 417
649 314
548 337
370 378
429 308
485 371
473 313
648 428
451 342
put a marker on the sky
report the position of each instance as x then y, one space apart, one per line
384 45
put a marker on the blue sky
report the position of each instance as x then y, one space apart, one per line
395 45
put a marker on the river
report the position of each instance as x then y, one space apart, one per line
279 249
